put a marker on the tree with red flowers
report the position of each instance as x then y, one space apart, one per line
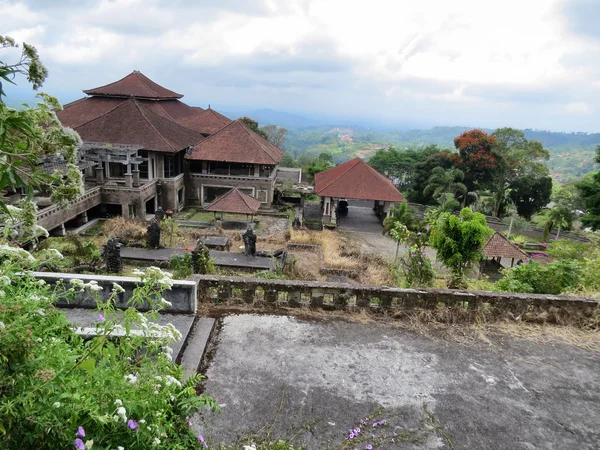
476 158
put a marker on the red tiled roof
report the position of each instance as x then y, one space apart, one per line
236 143
499 246
136 84
234 201
85 109
206 122
132 123
356 179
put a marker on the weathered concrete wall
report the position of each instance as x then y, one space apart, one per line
182 295
169 188
124 196
54 216
340 296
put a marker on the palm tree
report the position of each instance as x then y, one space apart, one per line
445 185
559 216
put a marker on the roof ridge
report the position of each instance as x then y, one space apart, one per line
380 176
139 107
252 135
342 173
106 85
243 196
103 114
137 74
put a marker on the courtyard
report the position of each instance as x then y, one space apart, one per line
312 381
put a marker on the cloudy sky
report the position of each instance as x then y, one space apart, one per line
488 63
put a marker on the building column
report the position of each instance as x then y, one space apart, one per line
59 231
84 217
128 180
327 206
136 177
99 175
256 171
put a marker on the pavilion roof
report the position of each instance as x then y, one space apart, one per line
130 122
137 85
206 122
499 246
357 180
236 143
85 109
236 202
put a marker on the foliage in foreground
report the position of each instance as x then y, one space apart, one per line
60 391
537 278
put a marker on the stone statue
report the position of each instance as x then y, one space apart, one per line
153 235
112 255
201 258
159 214
249 242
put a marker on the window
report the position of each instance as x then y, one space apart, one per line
262 195
143 167
116 170
212 192
131 211
173 165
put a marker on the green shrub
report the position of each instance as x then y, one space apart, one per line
60 391
553 278
181 265
567 249
590 272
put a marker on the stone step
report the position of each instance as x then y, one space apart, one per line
196 345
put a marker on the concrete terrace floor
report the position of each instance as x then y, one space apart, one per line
286 374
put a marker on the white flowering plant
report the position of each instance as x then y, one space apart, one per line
119 389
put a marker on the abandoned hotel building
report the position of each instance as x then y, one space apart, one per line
144 148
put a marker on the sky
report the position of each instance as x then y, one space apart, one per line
485 63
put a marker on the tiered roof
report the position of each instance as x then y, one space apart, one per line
237 143
356 179
134 124
206 122
235 202
136 84
499 246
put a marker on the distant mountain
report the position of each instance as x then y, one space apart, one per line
280 118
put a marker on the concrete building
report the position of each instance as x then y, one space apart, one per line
145 148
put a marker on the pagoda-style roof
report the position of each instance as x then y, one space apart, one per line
85 109
236 143
130 122
357 180
235 202
499 246
206 122
137 85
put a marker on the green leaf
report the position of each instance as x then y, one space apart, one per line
88 365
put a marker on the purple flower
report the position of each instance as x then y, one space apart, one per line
351 436
132 424
369 447
201 439
101 317
80 432
79 445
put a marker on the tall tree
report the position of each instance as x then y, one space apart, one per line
476 158
421 174
530 194
275 135
445 185
253 125
515 157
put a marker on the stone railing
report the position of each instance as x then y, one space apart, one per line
182 295
341 296
205 176
141 189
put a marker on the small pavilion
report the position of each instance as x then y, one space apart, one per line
235 201
496 248
357 180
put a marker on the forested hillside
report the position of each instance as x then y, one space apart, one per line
571 154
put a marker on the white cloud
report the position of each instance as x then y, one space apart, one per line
578 108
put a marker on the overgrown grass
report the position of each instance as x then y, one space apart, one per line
128 229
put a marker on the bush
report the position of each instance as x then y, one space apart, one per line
567 249
590 272
60 391
552 278
181 265
127 229
417 268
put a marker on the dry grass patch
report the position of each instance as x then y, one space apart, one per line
128 229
